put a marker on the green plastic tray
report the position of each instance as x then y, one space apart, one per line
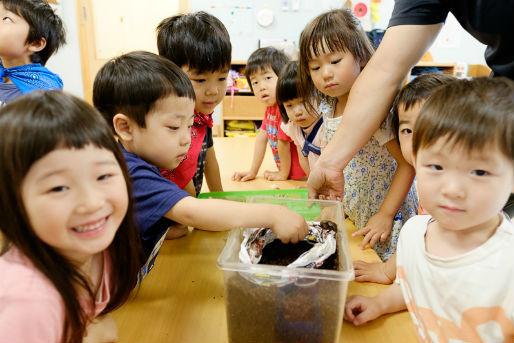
309 210
244 196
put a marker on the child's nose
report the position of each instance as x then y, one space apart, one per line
453 186
326 72
89 199
212 90
185 138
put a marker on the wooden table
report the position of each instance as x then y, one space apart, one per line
182 299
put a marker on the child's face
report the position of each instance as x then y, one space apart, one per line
298 114
75 200
165 140
264 84
463 191
407 120
210 88
14 31
333 73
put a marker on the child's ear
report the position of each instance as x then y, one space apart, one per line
37 45
123 126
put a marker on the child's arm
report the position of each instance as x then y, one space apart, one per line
284 155
379 225
359 310
379 272
212 171
190 188
220 215
258 155
304 161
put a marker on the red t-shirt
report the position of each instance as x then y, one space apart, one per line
271 124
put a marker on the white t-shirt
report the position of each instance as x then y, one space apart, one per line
465 298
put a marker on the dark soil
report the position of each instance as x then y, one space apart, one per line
280 254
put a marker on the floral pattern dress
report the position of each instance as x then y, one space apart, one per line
367 179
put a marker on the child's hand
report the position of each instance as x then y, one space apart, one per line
359 310
288 225
372 272
377 228
243 176
274 176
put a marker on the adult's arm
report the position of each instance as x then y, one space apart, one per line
369 102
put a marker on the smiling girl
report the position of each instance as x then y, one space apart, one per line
71 252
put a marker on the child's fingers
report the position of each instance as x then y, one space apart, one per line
361 232
383 237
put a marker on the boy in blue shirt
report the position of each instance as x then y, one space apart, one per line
30 32
149 102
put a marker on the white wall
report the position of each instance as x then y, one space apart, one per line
454 44
66 62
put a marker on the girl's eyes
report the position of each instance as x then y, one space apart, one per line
7 19
104 177
314 68
336 61
480 172
222 79
406 131
57 189
173 128
199 80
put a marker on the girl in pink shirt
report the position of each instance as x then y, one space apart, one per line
70 252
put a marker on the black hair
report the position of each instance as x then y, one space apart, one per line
133 82
287 87
415 91
262 58
197 40
332 31
43 23
31 127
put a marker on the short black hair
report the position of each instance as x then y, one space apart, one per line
198 40
133 82
287 87
415 91
262 58
43 23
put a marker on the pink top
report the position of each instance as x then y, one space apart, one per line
31 308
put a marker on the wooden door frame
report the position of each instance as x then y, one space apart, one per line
87 44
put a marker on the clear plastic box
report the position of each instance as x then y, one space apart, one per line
267 303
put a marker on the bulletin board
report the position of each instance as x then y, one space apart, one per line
289 18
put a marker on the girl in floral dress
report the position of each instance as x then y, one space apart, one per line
379 194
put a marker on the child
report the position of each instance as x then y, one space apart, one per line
71 251
199 44
379 196
406 107
262 70
305 128
455 267
149 101
30 32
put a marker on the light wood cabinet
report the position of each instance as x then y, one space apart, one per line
243 105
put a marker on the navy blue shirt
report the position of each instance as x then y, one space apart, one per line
489 21
8 92
154 196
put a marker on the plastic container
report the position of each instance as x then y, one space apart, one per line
307 308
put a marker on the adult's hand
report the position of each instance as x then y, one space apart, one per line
326 182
